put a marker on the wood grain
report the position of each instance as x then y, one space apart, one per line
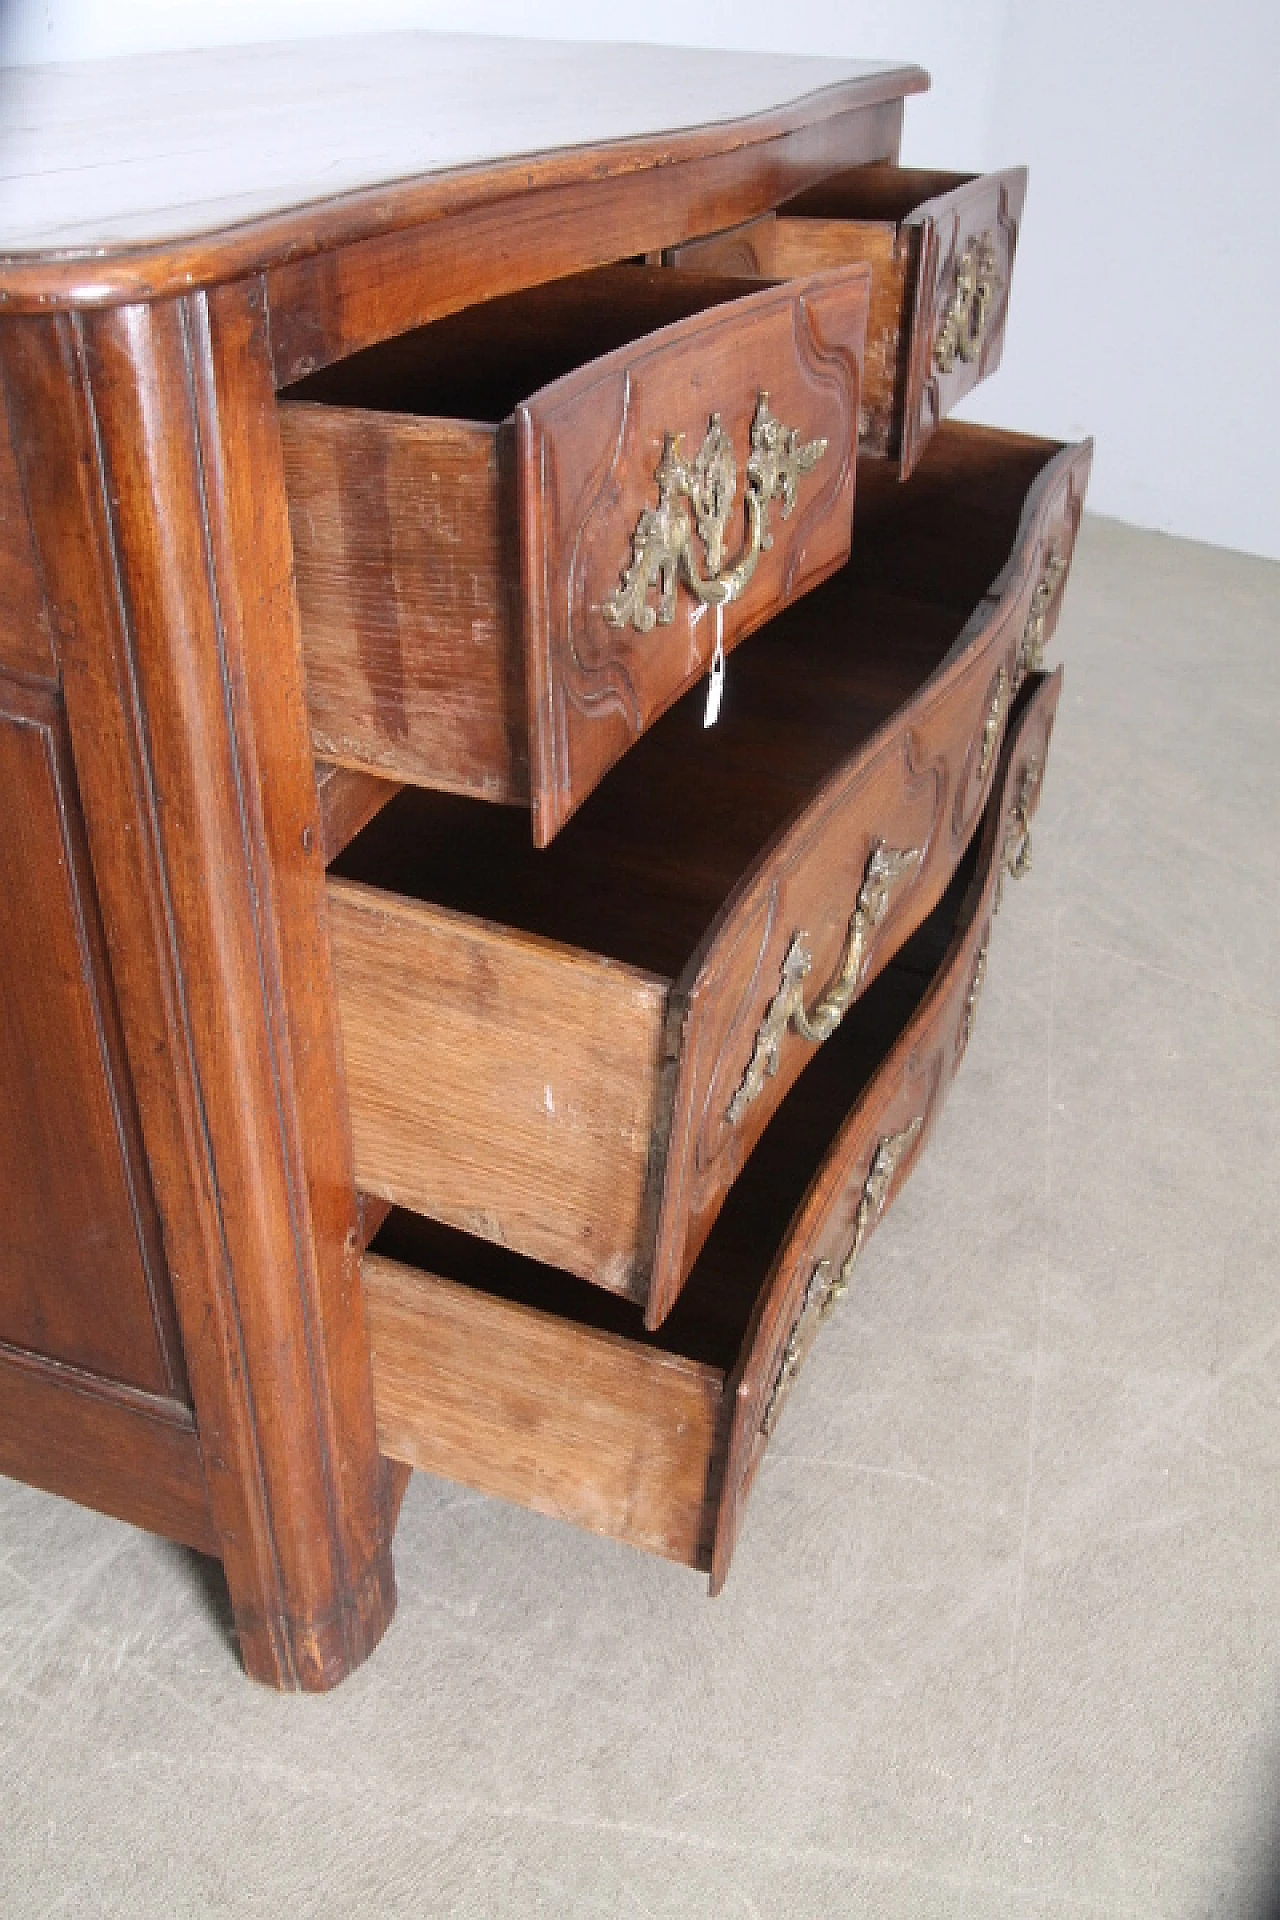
329 304
440 563
991 204
408 597
25 640
147 444
912 225
128 1455
142 176
572 1423
812 245
746 250
82 1272
348 800
587 448
489 1071
907 1090
782 246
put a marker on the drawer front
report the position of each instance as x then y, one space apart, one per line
675 494
940 247
883 1136
964 246
845 885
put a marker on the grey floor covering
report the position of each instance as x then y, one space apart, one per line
1002 1639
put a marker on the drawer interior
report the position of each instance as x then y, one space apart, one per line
481 363
640 872
516 1378
884 193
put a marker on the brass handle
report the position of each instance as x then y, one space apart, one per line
827 1283
1016 853
977 980
991 726
885 868
977 281
701 493
720 588
1031 648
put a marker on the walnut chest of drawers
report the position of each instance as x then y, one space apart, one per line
423 1041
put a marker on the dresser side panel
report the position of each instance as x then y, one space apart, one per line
81 1273
25 644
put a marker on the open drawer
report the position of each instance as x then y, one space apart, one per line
514 1379
573 1053
518 531
941 249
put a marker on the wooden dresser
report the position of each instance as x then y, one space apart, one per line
424 1042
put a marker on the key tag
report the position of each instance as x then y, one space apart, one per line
715 683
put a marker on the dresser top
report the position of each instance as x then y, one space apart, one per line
280 145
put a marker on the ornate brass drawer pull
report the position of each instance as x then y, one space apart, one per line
702 492
827 1283
977 281
885 868
977 980
1031 649
991 728
1017 840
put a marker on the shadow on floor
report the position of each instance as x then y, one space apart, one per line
205 1579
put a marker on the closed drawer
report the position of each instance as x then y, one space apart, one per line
518 532
514 1379
574 1053
941 249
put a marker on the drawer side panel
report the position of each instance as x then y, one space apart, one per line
573 1423
498 1082
407 607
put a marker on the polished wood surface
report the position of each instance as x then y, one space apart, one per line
902 1101
147 446
157 166
133 1455
26 644
331 303
82 1275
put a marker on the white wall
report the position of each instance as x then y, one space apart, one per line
1147 294
1146 300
